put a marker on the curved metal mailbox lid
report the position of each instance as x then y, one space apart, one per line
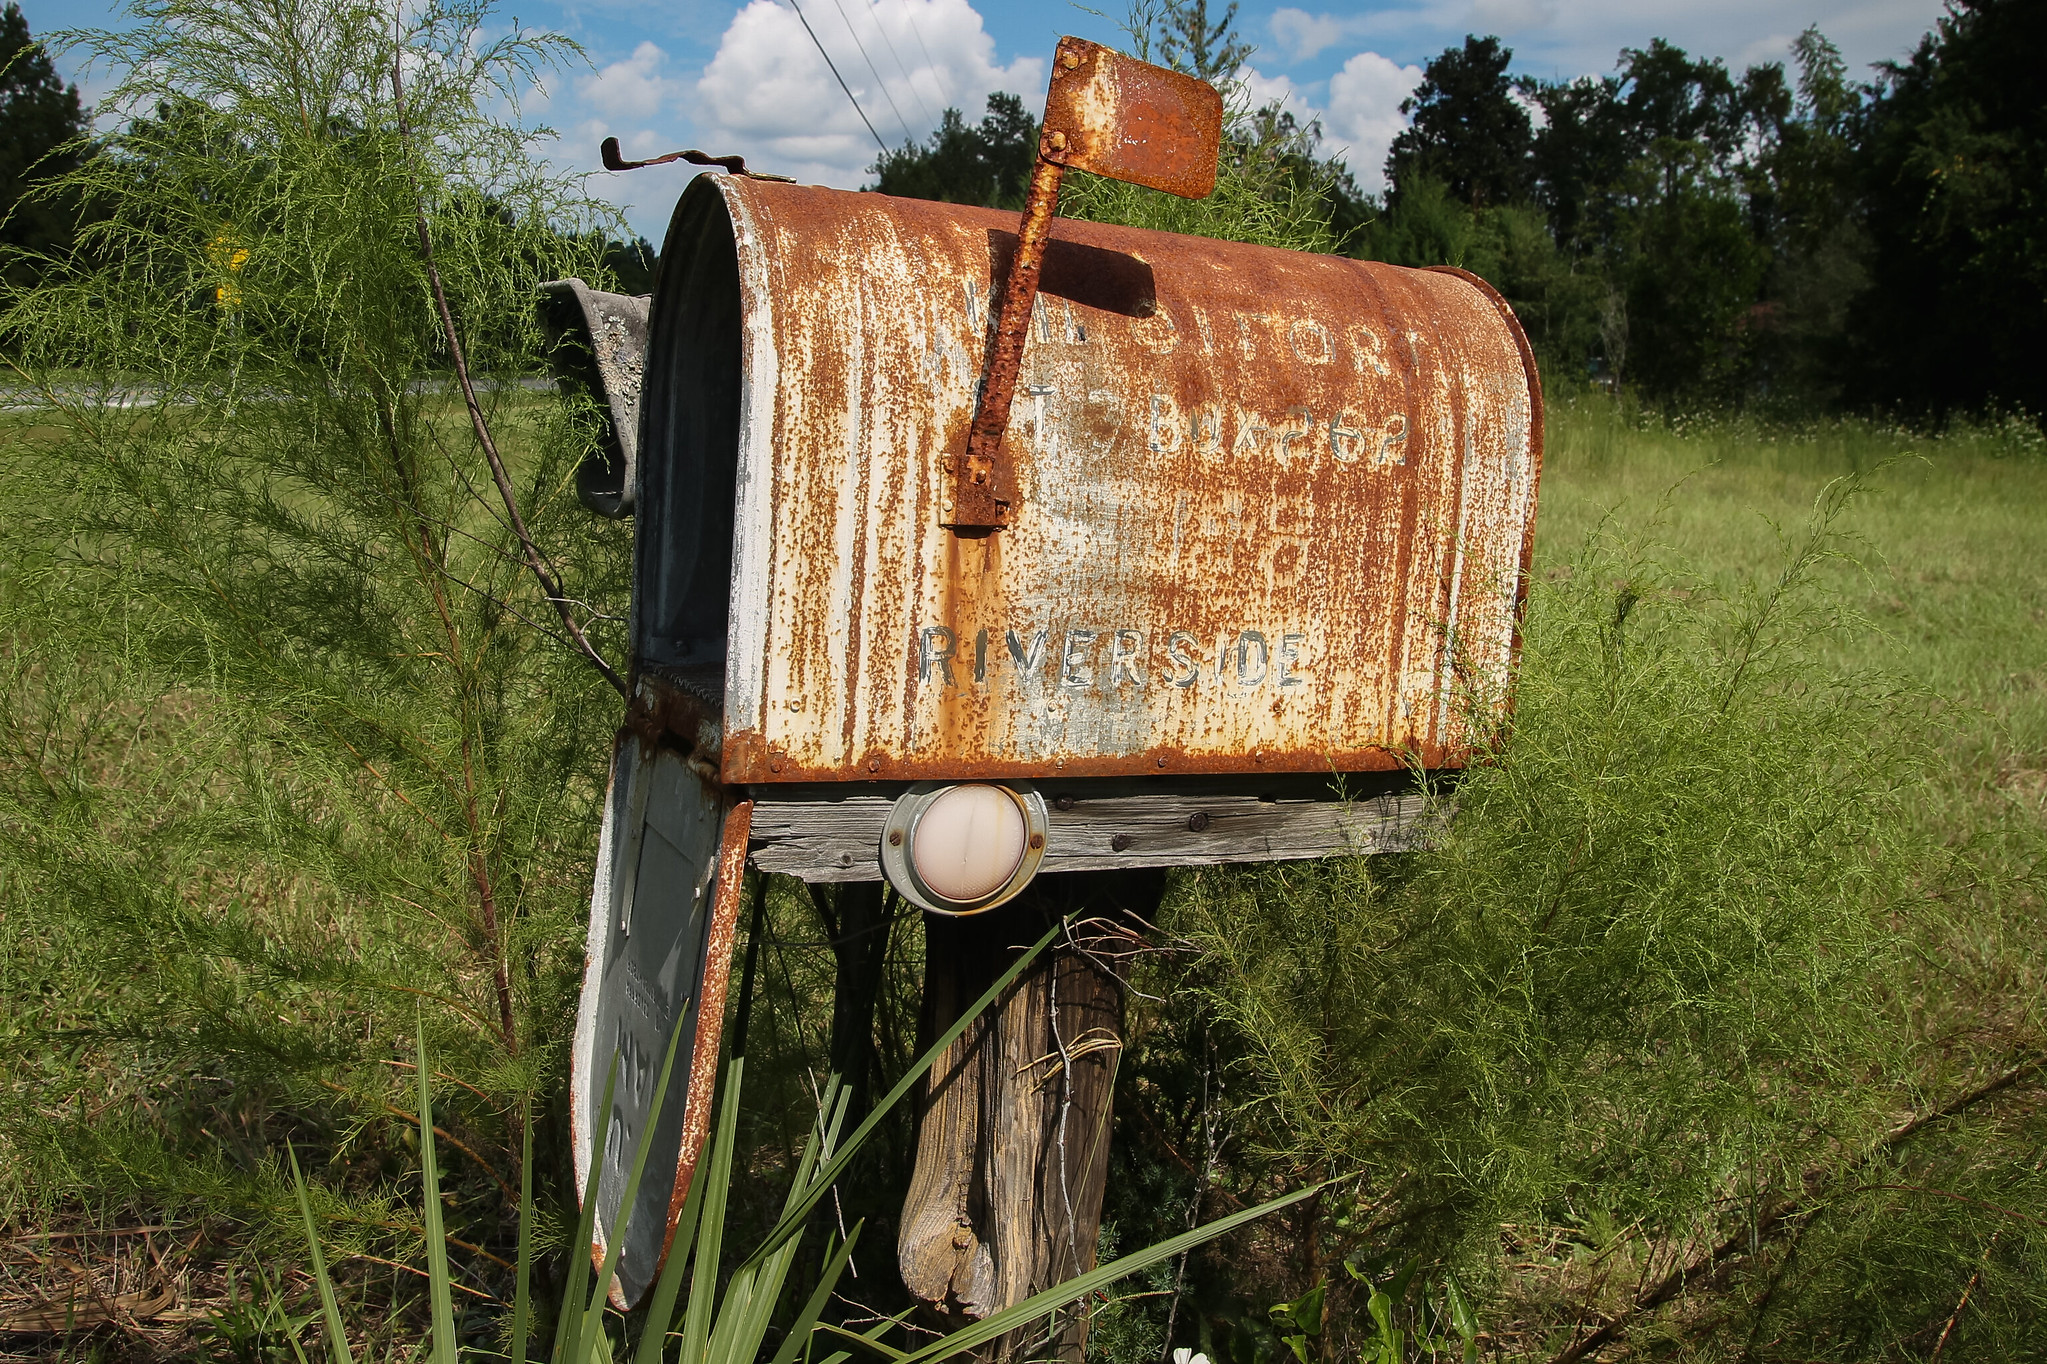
1274 510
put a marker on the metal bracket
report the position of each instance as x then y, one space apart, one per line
734 164
1114 116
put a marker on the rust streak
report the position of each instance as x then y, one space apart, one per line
702 1081
1240 473
703 1065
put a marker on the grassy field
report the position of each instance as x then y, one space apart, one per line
1940 592
1912 653
1950 572
1941 589
1935 605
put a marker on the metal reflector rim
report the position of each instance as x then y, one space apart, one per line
900 868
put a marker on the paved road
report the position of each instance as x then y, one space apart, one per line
16 399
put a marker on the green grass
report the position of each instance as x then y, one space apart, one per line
1673 961
1950 573
1943 590
1935 621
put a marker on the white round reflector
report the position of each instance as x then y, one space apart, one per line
968 842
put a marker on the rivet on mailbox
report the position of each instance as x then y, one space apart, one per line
1264 519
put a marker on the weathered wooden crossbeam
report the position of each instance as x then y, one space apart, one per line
833 832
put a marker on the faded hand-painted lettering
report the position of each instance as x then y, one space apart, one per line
1270 507
1110 658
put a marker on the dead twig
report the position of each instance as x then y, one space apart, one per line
443 1134
122 1309
453 1282
1962 1306
1783 1215
543 571
81 1235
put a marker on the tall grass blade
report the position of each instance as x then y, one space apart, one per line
1078 1287
337 1338
436 1239
766 1286
799 1330
799 1209
727 1343
703 1283
661 1306
868 1341
593 1324
568 1328
522 1291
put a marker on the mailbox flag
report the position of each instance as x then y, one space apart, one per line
1129 120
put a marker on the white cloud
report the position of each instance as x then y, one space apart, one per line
1261 90
1774 48
768 93
634 88
1364 112
1512 16
1302 34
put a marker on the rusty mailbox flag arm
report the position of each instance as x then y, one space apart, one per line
1115 116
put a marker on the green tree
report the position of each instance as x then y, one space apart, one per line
1468 130
1558 299
1690 272
988 163
1953 170
41 121
1584 147
1805 207
1660 182
1672 98
1188 42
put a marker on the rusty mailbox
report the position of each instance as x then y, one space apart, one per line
1265 522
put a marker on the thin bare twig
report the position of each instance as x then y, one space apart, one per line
550 582
1969 1289
452 1140
1962 1306
1784 1215
1210 1141
413 1269
543 571
1953 1198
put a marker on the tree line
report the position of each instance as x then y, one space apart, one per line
1788 237
41 120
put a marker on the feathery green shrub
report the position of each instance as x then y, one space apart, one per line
297 748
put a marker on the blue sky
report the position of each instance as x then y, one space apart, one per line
746 77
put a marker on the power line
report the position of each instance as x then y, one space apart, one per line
874 11
840 79
910 15
872 71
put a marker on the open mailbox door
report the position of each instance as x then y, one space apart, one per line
661 926
672 854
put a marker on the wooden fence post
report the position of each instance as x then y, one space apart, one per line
1013 1124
